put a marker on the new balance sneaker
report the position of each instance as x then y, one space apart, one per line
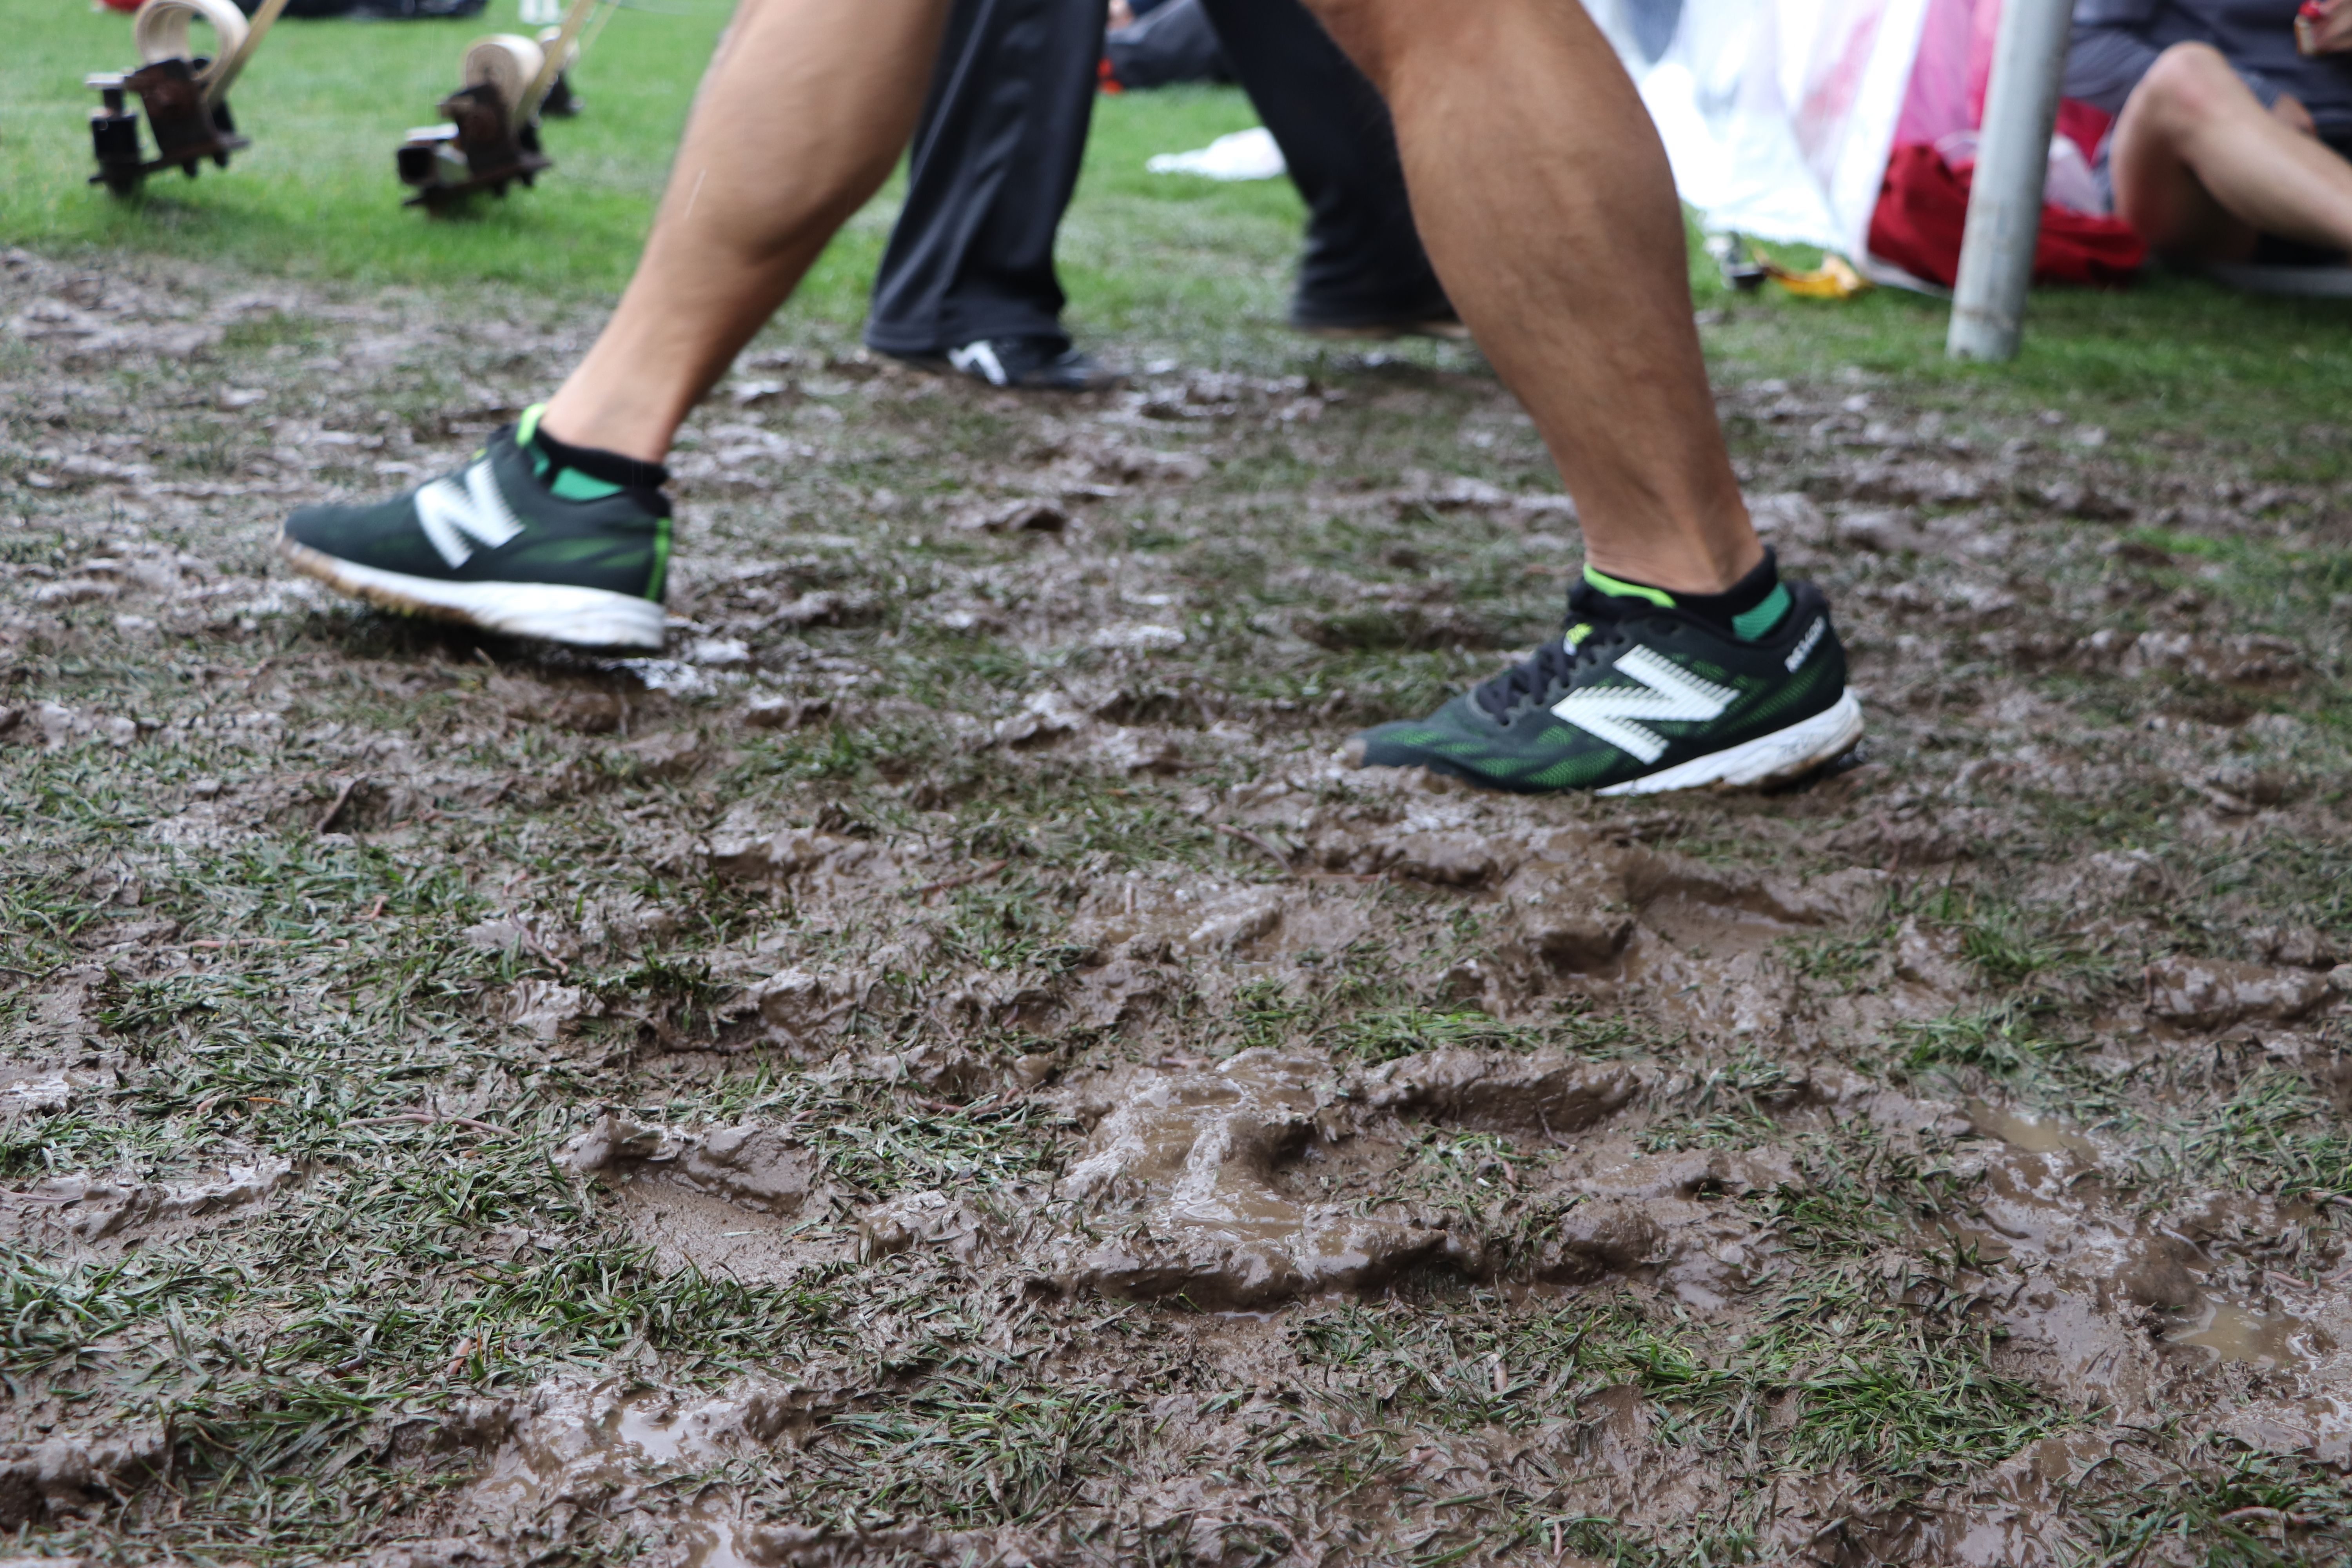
1640 696
1039 363
511 542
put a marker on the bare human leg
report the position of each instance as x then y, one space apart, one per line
2202 169
558 528
1527 154
1547 205
806 108
1545 199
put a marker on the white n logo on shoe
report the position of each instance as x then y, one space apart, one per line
1666 692
478 513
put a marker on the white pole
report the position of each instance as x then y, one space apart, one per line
2012 161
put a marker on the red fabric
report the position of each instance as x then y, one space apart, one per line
2083 125
1924 207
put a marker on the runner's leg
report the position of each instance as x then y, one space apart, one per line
1545 199
804 112
557 526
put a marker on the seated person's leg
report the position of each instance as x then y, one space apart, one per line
1547 205
967 282
2202 169
560 530
1364 271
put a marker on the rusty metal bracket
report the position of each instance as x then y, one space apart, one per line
491 138
484 146
186 130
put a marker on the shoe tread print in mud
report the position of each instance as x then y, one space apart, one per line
497 545
1643 698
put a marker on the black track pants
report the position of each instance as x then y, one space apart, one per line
997 152
994 161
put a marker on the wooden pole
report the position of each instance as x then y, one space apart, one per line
536 93
263 20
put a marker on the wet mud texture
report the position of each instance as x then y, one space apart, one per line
942 1066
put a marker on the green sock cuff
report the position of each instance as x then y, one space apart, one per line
564 483
1602 582
1749 624
1757 621
571 484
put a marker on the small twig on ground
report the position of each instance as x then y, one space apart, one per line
531 939
429 1119
335 808
944 883
1246 836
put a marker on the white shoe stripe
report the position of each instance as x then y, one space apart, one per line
1666 692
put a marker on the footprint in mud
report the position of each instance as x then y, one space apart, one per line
567 1449
719 1199
1195 1155
1187 1186
94 1210
760 1167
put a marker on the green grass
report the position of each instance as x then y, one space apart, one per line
2264 376
1156 262
326 103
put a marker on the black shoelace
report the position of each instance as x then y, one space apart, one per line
1551 668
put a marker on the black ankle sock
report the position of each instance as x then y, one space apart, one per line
630 473
1749 609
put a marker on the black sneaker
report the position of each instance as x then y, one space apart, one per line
1436 319
1023 365
1639 698
1447 329
493 545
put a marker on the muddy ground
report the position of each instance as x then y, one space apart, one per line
943 1067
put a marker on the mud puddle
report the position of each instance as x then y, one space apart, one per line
2270 1342
2033 1133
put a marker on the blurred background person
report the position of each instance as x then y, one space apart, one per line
967 283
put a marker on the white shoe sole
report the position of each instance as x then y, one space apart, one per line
1768 759
584 617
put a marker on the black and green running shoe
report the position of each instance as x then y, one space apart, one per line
1643 697
497 545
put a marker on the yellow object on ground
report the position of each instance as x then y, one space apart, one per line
1834 279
